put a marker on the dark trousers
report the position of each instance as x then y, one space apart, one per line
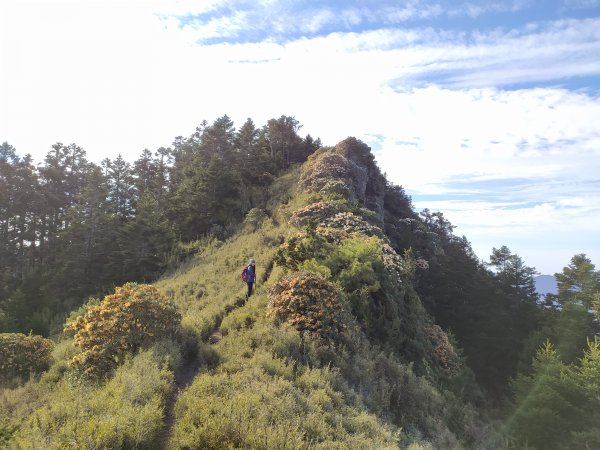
250 286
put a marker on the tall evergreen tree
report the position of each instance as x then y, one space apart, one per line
545 414
145 175
121 188
578 281
146 241
162 162
284 142
513 274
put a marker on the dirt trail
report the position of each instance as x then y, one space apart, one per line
183 378
186 374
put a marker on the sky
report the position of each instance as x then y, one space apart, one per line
488 111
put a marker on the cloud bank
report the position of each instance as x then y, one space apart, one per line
485 111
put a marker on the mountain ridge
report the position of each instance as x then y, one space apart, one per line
335 349
545 284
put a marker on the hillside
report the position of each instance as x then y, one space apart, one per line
334 349
299 375
342 345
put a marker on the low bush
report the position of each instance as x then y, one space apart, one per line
22 355
254 409
308 303
135 316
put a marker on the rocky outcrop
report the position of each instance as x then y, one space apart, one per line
347 171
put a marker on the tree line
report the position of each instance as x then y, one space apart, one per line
70 228
492 308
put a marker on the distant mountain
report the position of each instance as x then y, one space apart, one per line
545 284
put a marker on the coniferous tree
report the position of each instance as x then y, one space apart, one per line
162 162
251 161
86 243
19 193
569 326
545 414
557 405
146 241
284 143
145 175
190 205
586 379
578 281
121 188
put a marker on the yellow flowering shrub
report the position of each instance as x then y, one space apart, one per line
132 318
443 351
309 303
22 354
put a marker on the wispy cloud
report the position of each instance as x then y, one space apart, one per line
479 122
581 4
554 51
284 21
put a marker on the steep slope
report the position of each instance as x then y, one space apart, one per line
334 349
288 371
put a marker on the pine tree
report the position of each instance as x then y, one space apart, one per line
121 188
544 414
284 142
145 175
578 282
146 241
586 378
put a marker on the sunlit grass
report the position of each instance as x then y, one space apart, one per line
258 384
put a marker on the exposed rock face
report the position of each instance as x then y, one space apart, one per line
348 170
370 189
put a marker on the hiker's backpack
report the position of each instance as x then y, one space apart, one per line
245 274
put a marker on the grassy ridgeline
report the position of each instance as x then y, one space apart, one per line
250 383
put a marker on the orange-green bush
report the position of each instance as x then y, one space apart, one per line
443 351
315 212
131 318
308 303
301 247
21 355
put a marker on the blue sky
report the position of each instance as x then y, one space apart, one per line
487 111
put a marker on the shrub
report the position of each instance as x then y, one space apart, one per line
131 318
254 218
353 223
254 409
22 355
308 303
315 212
302 247
443 351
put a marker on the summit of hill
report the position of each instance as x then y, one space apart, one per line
370 325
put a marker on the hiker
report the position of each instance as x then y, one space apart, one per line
249 276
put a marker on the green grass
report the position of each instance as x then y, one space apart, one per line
261 386
126 412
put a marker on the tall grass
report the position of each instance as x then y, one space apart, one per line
126 412
260 386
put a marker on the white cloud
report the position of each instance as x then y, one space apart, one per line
288 18
116 77
481 133
581 3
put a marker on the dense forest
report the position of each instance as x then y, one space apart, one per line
373 325
70 229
